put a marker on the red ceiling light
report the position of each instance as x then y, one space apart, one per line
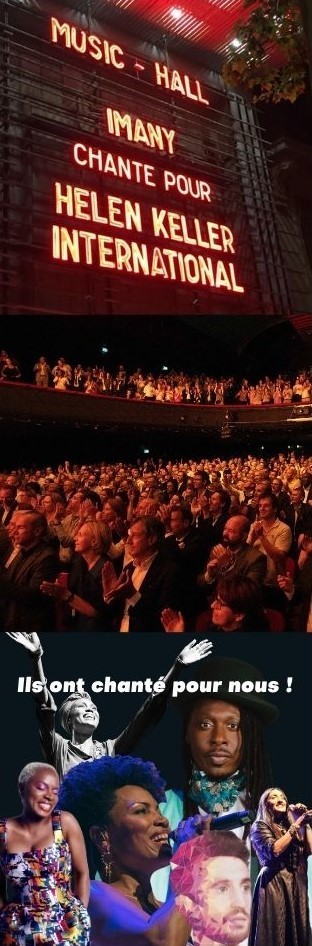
210 24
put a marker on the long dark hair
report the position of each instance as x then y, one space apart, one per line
263 813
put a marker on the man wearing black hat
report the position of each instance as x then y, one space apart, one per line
226 765
80 718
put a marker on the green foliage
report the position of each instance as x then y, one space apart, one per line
274 26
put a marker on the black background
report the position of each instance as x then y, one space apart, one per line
123 657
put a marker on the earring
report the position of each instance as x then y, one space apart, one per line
106 862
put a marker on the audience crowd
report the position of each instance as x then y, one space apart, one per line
169 386
163 546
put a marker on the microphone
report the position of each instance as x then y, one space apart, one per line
235 819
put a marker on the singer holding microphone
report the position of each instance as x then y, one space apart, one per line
282 840
116 802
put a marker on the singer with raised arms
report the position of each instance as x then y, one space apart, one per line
80 718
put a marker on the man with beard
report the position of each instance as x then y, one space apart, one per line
234 555
212 888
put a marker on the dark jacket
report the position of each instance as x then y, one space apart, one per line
190 558
160 589
300 605
24 607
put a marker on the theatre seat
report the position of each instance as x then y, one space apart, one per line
290 567
275 620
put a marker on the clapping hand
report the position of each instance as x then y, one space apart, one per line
306 544
285 582
109 578
256 529
221 557
221 554
172 621
115 588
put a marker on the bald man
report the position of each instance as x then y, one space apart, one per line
234 555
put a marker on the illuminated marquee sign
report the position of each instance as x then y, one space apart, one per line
153 240
110 54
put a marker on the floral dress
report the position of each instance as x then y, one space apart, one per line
42 910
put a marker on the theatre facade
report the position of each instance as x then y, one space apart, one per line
133 181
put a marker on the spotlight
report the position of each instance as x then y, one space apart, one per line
104 350
176 13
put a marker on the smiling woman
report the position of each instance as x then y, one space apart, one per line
117 803
282 839
42 858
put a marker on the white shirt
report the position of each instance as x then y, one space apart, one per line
137 579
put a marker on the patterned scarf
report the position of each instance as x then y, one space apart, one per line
216 797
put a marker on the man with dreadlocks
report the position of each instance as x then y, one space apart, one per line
226 764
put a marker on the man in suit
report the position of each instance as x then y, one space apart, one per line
211 526
234 555
151 582
306 479
24 607
299 592
282 497
298 515
7 504
188 549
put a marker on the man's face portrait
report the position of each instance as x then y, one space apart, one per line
222 891
215 738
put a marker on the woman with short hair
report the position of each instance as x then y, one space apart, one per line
236 606
84 594
43 862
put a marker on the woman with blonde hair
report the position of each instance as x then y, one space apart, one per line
84 594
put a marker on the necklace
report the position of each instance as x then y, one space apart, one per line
216 797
